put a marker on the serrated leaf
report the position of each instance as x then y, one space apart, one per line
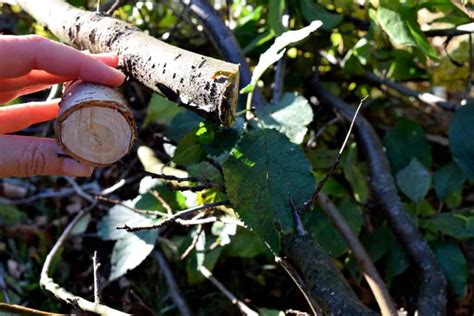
404 142
448 179
263 173
130 248
289 116
313 11
414 180
182 124
454 265
461 139
277 50
402 28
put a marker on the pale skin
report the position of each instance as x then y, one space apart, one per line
29 64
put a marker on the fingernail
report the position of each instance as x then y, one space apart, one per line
77 169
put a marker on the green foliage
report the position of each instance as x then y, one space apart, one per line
459 225
454 265
461 139
414 180
289 116
263 174
315 12
404 142
447 180
399 22
354 174
130 249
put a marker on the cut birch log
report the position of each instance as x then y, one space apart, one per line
94 125
203 84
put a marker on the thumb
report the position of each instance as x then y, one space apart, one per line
32 156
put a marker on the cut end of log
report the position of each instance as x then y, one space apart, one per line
95 126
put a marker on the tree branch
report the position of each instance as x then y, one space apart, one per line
48 283
376 283
324 281
205 85
225 42
175 293
432 292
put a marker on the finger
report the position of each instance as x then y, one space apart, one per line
19 116
21 54
8 96
35 77
31 156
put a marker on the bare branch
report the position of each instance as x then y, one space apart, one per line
376 283
18 309
299 284
175 293
174 217
241 305
48 283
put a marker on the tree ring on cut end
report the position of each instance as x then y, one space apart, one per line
94 126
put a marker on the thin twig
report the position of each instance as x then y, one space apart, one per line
376 283
95 268
154 213
241 305
48 283
18 309
79 190
193 243
175 293
175 216
320 186
3 284
315 309
189 222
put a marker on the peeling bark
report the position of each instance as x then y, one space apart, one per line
94 125
324 281
205 85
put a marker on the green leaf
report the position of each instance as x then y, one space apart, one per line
322 158
461 139
161 110
454 265
10 215
182 124
414 180
354 174
401 26
262 174
313 11
404 142
456 225
245 245
448 179
130 249
396 263
275 15
378 242
289 116
277 50
201 257
189 150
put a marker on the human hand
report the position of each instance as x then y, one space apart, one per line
29 64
